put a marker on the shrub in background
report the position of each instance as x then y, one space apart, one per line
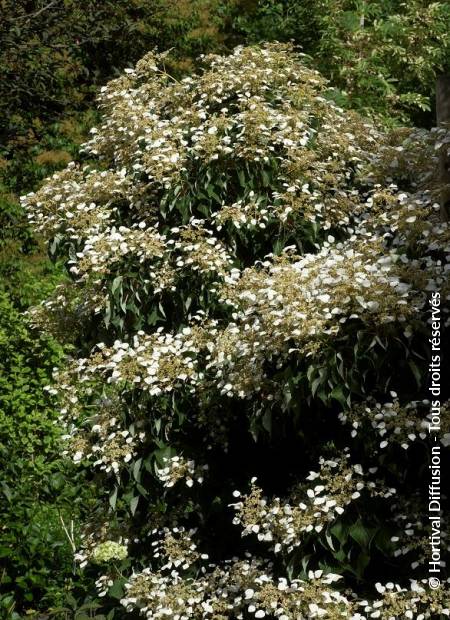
35 554
250 272
55 54
26 273
383 55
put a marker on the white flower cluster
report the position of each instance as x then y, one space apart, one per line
109 551
418 602
157 362
109 451
414 530
397 423
238 589
247 589
101 545
178 468
197 247
103 584
245 214
102 250
77 201
292 305
284 523
176 547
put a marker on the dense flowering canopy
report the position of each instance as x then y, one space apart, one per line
247 263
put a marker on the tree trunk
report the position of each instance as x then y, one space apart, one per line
443 116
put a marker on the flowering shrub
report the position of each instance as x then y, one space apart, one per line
250 273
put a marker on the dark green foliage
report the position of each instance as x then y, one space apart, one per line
383 55
55 54
25 271
38 487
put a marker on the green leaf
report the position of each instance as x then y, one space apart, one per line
362 562
340 532
361 534
338 394
416 372
117 282
6 491
267 421
113 497
137 469
116 590
142 490
329 540
315 385
133 504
